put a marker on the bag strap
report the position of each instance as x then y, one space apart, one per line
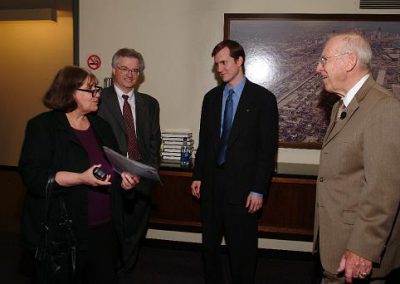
67 224
42 248
48 193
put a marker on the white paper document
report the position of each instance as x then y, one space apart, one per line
121 164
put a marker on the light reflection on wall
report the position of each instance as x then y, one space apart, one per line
262 66
31 54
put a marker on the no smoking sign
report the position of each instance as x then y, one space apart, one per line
93 62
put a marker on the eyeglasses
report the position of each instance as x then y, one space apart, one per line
93 92
126 70
324 59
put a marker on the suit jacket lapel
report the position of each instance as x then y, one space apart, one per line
340 123
116 110
332 122
216 116
335 128
140 113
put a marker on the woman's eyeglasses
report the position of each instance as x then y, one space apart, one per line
125 70
96 90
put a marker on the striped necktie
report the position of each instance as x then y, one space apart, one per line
133 149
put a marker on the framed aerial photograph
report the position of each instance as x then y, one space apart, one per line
282 51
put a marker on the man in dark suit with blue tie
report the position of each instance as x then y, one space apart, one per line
135 120
234 163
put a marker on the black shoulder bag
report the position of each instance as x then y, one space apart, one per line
56 252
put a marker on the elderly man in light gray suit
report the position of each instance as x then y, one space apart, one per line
357 227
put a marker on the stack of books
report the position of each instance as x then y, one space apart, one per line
172 141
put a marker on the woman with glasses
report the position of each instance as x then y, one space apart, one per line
66 143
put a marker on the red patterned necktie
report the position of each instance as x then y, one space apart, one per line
133 149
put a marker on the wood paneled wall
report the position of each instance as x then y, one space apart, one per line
12 195
288 210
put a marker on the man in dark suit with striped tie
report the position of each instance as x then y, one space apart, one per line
134 118
234 163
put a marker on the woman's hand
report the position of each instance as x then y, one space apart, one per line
129 181
67 179
90 179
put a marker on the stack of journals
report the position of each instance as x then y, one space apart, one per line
172 142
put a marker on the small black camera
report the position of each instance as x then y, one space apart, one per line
99 174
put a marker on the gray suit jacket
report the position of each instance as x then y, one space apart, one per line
358 189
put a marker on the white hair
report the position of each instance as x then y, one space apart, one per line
356 43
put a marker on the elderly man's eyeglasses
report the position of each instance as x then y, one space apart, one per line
324 59
93 92
126 70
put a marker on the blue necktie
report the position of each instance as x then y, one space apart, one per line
226 128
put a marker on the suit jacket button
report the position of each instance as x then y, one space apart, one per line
321 179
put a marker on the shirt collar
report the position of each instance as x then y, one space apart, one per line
353 91
238 89
120 93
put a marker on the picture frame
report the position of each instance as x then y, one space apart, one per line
282 51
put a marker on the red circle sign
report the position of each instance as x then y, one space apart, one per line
93 62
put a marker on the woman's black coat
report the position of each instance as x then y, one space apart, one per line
50 146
